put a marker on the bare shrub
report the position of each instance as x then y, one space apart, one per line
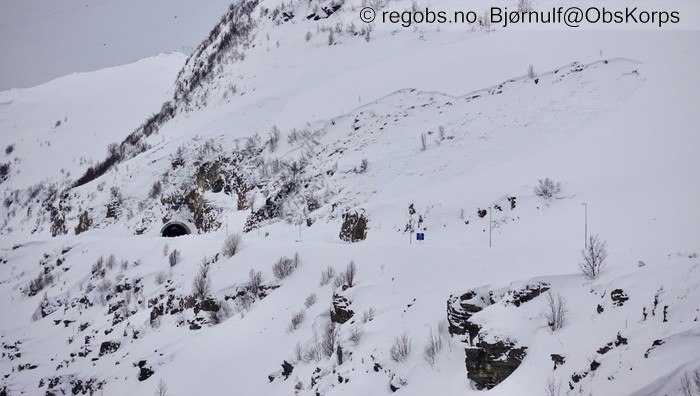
174 257
346 277
524 6
166 250
298 352
297 318
159 278
594 256
553 387
555 311
368 315
423 141
310 300
201 285
531 69
329 340
162 389
696 379
314 352
307 36
39 283
327 275
283 268
232 244
274 139
156 189
254 282
98 270
355 335
401 348
547 188
686 385
111 261
432 347
224 312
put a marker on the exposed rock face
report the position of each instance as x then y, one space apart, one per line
354 227
459 310
526 294
145 372
618 296
84 223
341 312
109 347
558 360
488 364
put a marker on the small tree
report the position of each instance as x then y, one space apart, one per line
594 256
555 311
329 340
201 285
232 244
547 188
283 268
174 257
553 387
327 275
686 385
350 272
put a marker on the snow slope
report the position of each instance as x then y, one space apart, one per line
611 116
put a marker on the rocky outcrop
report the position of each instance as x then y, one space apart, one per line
459 310
488 364
529 292
354 227
619 297
109 347
341 312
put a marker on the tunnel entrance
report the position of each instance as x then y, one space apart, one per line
174 229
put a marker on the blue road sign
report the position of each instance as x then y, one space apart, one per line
420 236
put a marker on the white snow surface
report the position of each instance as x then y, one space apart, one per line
613 117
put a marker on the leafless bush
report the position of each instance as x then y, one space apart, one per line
547 188
174 257
696 379
159 278
201 285
432 347
329 340
327 275
298 352
553 387
98 270
423 141
401 348
224 312
232 244
297 318
274 139
111 261
307 36
555 311
686 385
524 6
594 256
314 352
346 277
331 38
166 250
283 268
355 335
364 164
156 189
39 283
310 300
368 315
531 69
254 282
162 389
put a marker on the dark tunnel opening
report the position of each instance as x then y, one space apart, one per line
175 229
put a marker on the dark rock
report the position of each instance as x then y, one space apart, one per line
558 360
526 294
341 312
618 297
145 373
207 305
287 369
488 364
109 347
600 309
459 310
354 227
653 345
594 365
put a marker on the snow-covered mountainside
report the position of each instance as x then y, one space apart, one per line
305 152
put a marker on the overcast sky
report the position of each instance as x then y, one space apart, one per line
42 40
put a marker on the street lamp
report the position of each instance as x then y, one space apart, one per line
490 225
585 225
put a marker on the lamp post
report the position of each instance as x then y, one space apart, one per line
490 225
585 225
